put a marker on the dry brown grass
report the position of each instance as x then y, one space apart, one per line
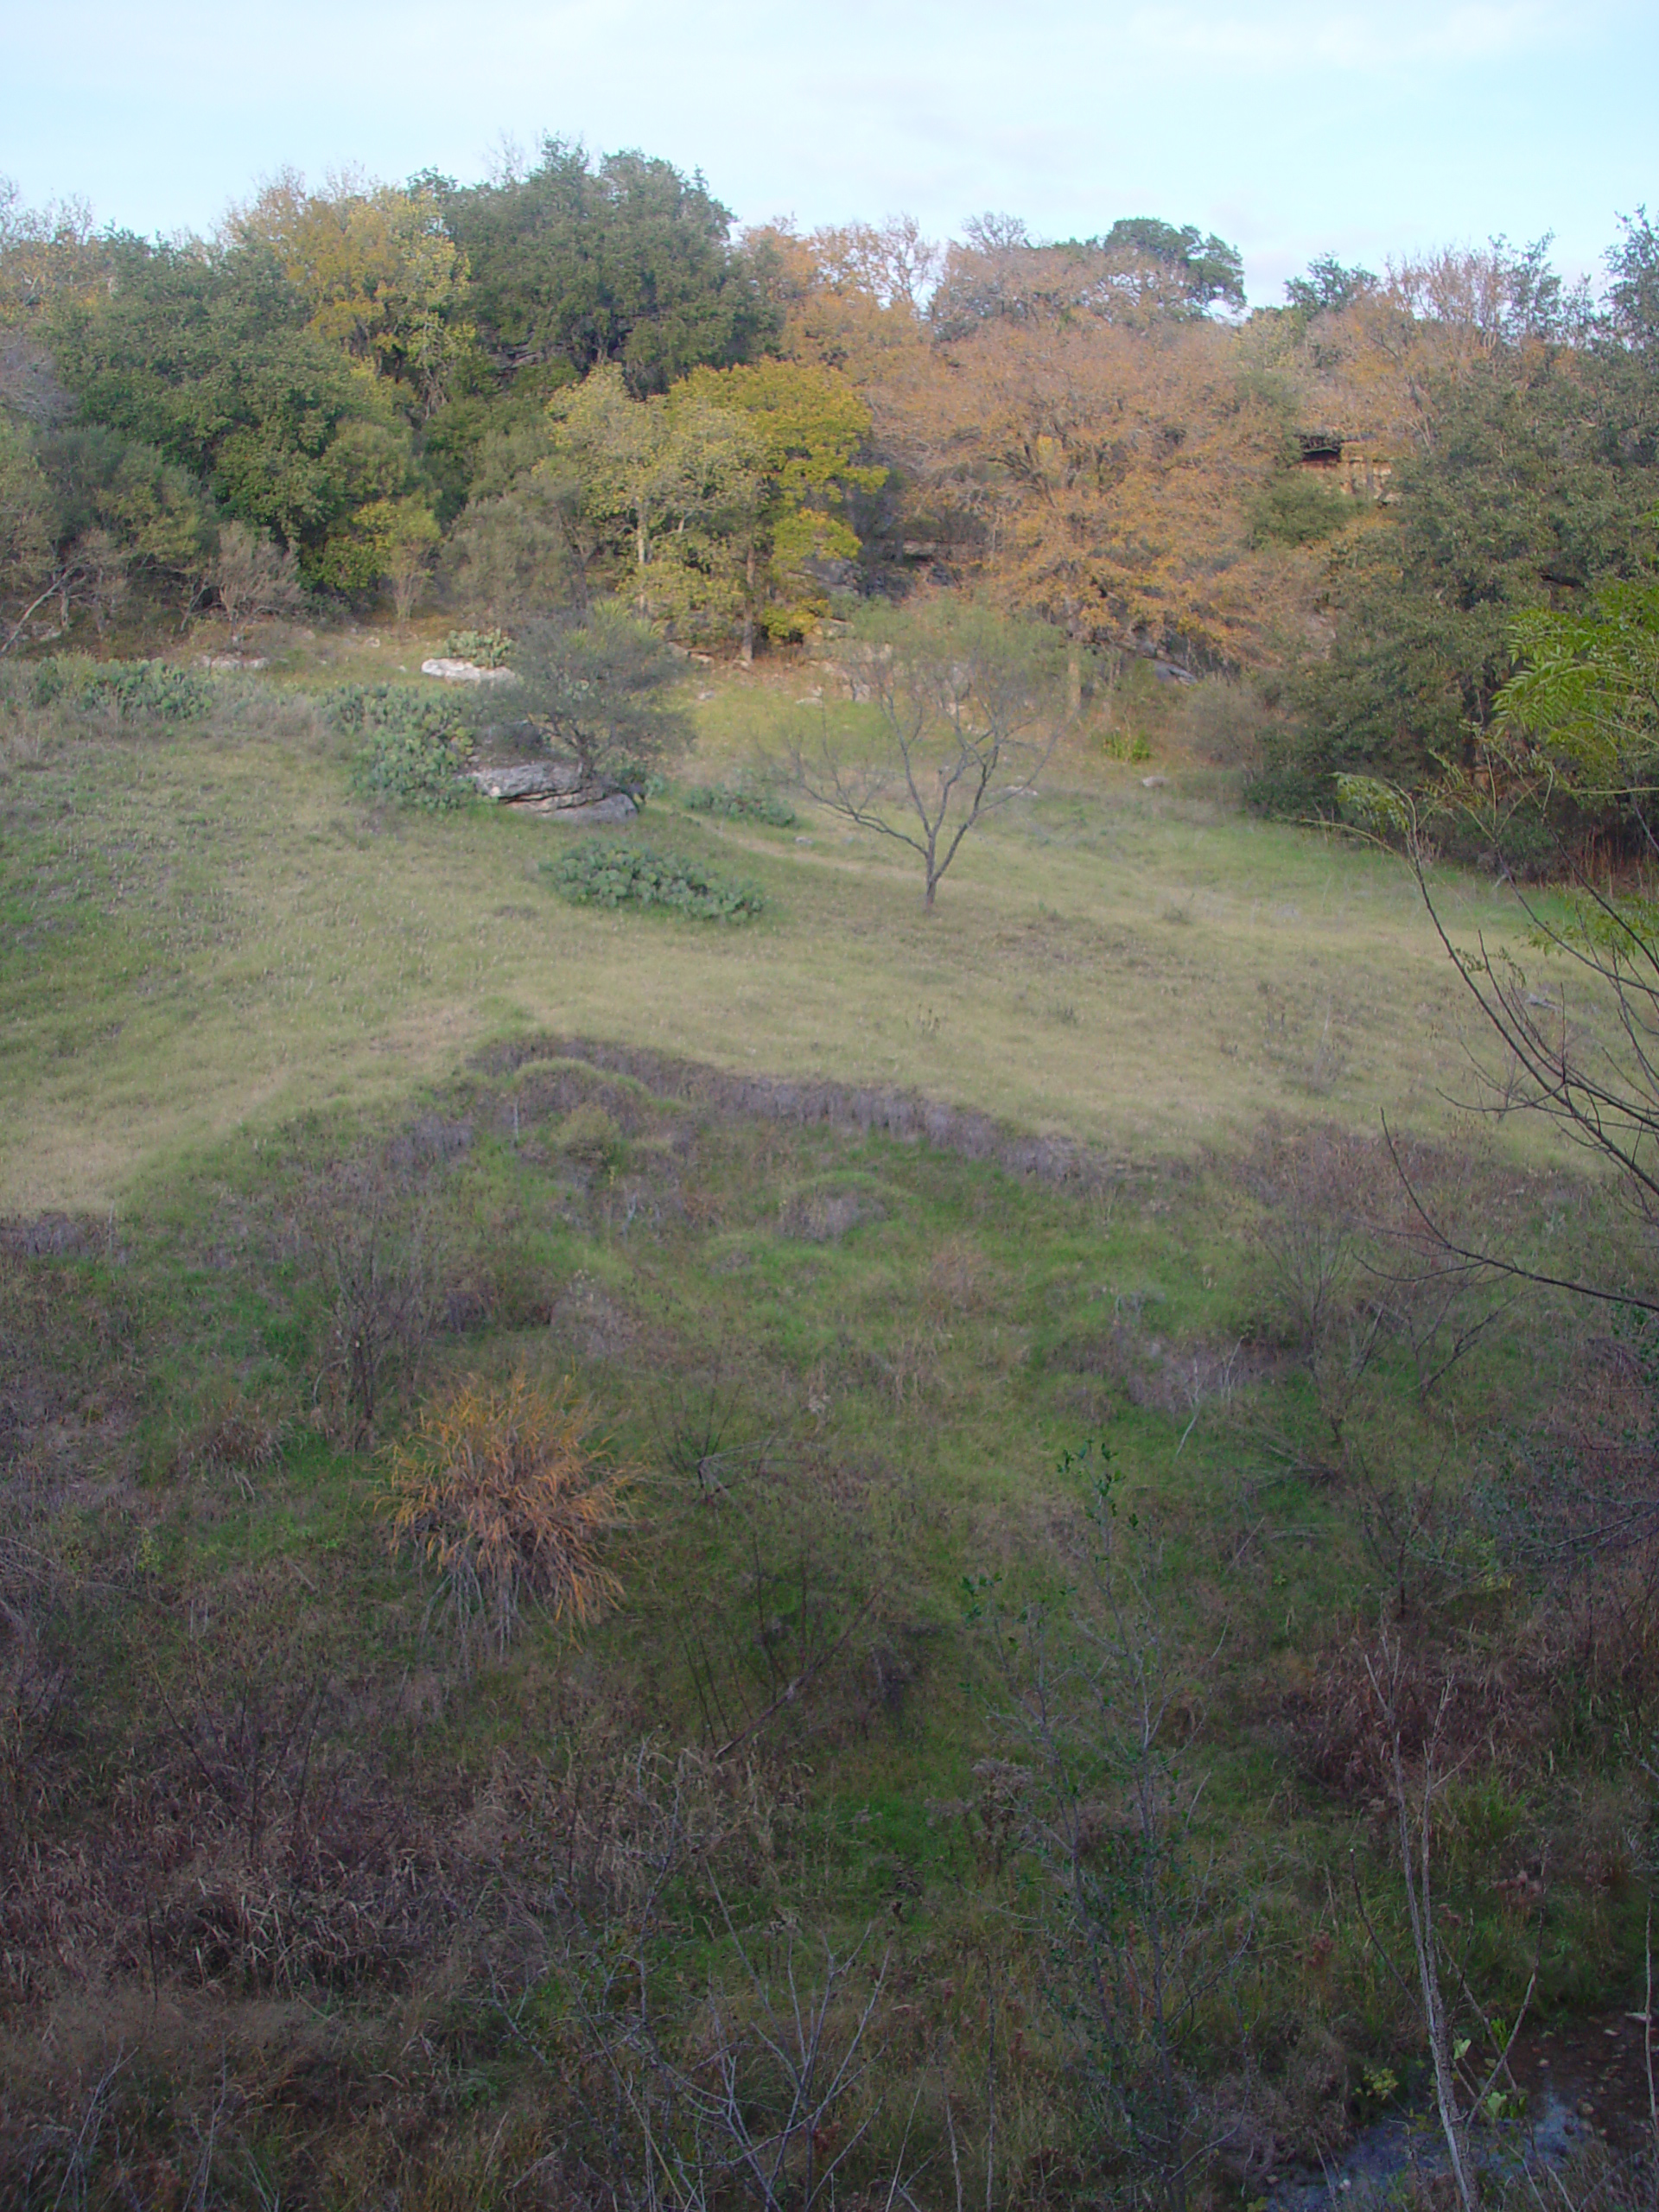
238 1432
960 1279
501 1489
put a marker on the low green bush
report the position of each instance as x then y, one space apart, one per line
1125 746
591 1135
484 648
137 691
412 767
615 874
388 706
416 750
741 805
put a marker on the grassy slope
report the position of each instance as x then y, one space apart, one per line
224 976
205 931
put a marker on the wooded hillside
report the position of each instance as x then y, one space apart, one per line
580 380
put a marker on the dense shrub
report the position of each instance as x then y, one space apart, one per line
137 691
615 875
412 767
741 805
388 706
592 1137
484 648
416 749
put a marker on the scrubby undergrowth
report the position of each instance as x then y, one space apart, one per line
324 1880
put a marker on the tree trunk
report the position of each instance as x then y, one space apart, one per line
1420 1904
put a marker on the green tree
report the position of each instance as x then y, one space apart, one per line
148 506
1582 706
379 273
512 554
206 356
25 511
1632 318
1206 271
47 255
795 523
622 261
1512 501
648 469
385 542
1626 349
1327 287
600 682
86 513
1141 272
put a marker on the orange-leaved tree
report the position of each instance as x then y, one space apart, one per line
1099 476
846 297
503 1488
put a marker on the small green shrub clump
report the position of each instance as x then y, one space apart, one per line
591 1135
415 750
615 875
388 706
419 768
1125 746
137 691
484 648
741 805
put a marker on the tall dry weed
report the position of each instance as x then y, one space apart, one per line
502 1490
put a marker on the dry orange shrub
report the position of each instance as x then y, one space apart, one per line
501 1489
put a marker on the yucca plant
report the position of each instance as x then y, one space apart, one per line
502 1490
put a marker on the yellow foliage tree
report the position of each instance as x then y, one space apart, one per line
384 279
811 427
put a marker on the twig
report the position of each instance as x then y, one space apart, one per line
792 1688
1647 2032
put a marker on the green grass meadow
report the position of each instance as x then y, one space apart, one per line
205 931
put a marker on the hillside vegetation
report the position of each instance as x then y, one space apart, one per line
575 380
963 1326
1143 970
923 1472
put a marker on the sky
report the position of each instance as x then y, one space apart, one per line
1290 128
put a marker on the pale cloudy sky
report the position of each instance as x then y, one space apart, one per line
1290 127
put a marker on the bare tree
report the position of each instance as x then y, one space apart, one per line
968 715
252 576
90 572
768 2105
1579 1042
1586 1064
1414 1793
379 1263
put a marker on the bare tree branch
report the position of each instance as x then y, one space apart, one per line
966 706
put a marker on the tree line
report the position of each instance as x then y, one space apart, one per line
578 379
